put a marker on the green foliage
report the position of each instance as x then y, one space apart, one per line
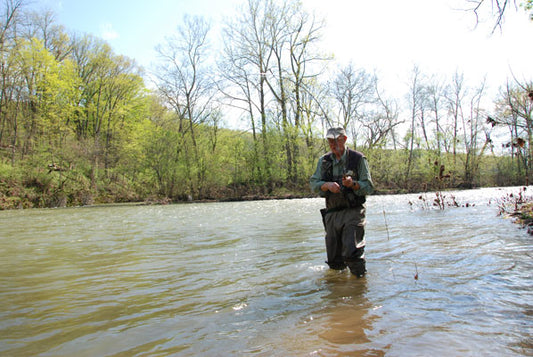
79 126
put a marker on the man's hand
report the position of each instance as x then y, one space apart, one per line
348 181
331 186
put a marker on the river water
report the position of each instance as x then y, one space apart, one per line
249 279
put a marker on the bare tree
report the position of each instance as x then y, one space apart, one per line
515 111
245 66
182 77
455 93
435 95
185 82
277 20
381 122
498 9
416 103
313 109
270 67
295 35
10 13
42 25
306 61
351 90
476 137
10 90
306 65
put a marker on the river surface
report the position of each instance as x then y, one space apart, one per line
249 279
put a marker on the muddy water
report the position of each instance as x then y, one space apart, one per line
248 278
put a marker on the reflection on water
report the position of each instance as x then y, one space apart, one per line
341 323
249 278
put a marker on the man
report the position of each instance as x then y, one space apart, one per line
342 176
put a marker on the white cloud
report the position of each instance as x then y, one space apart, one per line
107 32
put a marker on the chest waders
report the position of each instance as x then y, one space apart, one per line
344 217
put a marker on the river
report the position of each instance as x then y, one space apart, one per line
249 279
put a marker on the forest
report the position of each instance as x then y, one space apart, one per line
81 124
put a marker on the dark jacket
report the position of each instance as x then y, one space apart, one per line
346 198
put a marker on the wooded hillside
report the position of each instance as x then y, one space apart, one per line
80 124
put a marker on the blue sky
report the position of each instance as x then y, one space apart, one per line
388 36
132 27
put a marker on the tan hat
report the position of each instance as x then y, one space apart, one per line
334 133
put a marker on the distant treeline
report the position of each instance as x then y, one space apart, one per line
79 125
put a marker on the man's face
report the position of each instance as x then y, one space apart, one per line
337 145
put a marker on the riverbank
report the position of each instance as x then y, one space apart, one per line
523 216
18 196
519 207
41 193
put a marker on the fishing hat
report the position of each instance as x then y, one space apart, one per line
334 133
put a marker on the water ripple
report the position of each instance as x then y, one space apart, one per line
248 278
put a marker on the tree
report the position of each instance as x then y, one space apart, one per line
352 90
85 53
248 55
455 93
294 35
278 32
306 65
187 86
238 87
11 10
416 98
515 112
381 122
473 125
109 87
498 9
42 25
10 89
435 93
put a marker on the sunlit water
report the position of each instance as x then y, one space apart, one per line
249 278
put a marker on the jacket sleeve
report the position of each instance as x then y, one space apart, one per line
316 179
365 179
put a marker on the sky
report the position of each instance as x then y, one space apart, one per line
388 37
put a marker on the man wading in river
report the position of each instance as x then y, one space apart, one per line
342 176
